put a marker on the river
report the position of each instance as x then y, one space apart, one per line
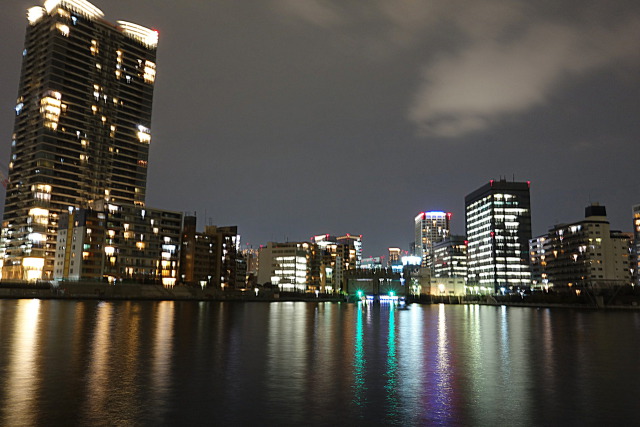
101 363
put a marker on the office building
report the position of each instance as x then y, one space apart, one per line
450 258
81 132
286 266
430 228
498 225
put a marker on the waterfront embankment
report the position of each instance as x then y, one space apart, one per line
138 291
625 299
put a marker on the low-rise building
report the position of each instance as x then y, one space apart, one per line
211 258
118 242
450 257
285 265
447 286
380 282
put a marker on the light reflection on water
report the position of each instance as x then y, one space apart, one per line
22 376
181 363
391 385
359 362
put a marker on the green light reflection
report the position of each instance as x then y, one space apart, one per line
359 362
391 386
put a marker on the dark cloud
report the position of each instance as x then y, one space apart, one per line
298 117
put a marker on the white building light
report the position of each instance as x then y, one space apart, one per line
80 6
145 35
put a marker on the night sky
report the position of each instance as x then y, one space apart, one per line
291 118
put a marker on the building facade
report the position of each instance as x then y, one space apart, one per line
319 265
371 263
354 243
636 244
118 243
538 248
211 258
587 253
285 265
430 228
450 258
498 225
81 131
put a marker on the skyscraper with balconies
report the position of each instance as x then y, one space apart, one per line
81 132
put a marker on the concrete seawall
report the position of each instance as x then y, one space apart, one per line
135 291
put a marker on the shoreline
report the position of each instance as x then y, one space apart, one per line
144 292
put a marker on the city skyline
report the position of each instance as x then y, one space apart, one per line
242 137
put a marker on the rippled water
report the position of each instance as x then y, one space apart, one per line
189 363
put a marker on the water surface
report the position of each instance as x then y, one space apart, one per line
194 363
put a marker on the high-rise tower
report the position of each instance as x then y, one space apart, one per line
431 228
81 129
498 223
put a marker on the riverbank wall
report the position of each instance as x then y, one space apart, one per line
137 291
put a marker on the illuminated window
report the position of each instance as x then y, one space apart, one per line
41 192
149 72
50 109
34 14
144 134
64 29
94 47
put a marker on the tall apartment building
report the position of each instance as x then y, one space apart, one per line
430 228
498 225
586 253
81 131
